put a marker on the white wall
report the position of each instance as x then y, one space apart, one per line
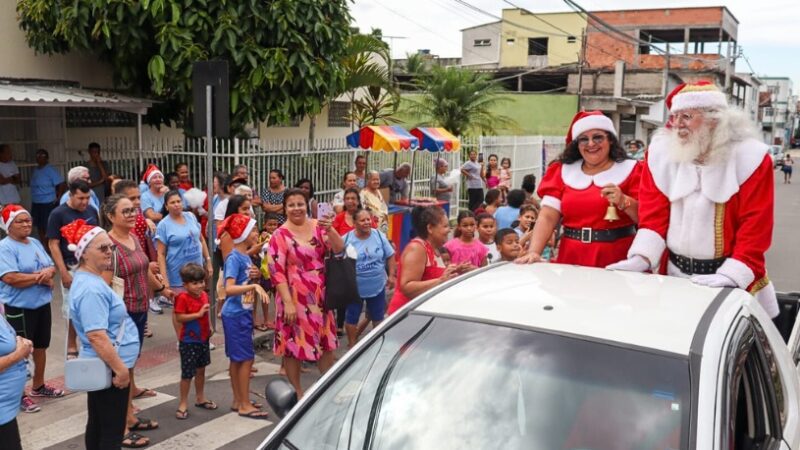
472 56
20 61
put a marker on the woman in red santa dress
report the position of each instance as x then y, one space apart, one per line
592 174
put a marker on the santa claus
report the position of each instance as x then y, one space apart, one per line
706 197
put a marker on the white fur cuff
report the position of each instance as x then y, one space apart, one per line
549 200
649 244
738 272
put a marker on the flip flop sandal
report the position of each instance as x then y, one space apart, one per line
261 327
146 392
143 424
208 404
181 415
259 415
134 439
252 402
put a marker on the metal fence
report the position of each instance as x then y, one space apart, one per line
324 165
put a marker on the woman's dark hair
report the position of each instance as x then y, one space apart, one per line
293 192
529 183
358 211
278 173
221 177
515 198
123 185
234 203
301 181
109 205
463 214
170 175
180 164
422 216
491 196
352 191
192 272
344 177
489 168
167 196
616 152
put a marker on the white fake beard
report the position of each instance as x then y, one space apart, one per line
690 148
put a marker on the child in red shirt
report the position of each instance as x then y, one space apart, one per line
191 311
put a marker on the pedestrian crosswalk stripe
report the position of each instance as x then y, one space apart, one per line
75 424
264 368
213 434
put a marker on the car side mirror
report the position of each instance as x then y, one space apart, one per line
281 396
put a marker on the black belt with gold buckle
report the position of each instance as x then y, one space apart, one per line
589 235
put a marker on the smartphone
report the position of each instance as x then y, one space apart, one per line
480 157
324 209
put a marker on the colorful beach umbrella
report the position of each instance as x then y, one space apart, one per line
436 139
383 138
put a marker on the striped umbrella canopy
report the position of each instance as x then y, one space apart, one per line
436 140
384 138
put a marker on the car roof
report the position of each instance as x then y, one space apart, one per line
638 310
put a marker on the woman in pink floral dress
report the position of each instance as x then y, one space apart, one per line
304 331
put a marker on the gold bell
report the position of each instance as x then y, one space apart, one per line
611 213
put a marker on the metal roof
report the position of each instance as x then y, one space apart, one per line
650 311
24 94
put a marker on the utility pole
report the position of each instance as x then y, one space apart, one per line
391 44
665 82
581 60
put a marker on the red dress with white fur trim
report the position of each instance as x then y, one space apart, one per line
577 197
720 210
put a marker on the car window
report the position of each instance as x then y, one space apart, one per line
329 422
456 384
774 382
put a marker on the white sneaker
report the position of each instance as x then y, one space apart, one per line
211 346
154 307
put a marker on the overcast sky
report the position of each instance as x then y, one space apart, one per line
767 28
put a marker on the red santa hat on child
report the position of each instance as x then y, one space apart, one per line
9 213
589 120
151 171
78 235
702 94
238 227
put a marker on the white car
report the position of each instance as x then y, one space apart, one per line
549 356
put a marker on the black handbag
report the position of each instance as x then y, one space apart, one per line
341 288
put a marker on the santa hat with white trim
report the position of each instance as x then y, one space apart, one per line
238 227
699 95
79 234
9 213
151 171
589 120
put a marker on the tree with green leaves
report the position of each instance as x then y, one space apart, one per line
459 100
415 64
285 57
377 107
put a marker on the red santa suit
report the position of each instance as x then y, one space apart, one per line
721 212
567 189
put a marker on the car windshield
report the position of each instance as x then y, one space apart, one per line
438 383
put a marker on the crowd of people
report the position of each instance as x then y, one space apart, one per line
699 205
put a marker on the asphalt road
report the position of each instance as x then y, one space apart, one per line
783 258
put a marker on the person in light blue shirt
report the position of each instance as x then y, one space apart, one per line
80 173
179 242
104 331
47 186
14 351
506 215
374 256
26 287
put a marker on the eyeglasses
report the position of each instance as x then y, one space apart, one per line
128 212
107 248
583 141
685 117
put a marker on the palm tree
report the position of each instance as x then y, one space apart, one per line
460 101
378 107
415 64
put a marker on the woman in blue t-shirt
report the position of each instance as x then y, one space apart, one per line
14 350
104 331
375 258
178 242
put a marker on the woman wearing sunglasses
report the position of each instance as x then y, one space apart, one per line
593 174
132 265
104 331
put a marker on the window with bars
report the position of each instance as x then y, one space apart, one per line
482 43
98 118
338 113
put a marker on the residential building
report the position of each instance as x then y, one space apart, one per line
778 116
